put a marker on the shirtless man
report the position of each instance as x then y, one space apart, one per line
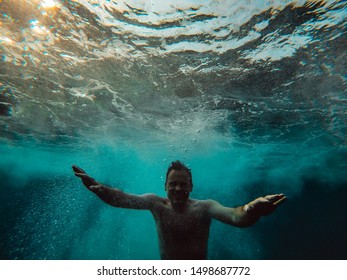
183 224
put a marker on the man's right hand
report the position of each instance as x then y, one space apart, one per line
87 180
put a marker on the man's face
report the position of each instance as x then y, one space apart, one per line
178 186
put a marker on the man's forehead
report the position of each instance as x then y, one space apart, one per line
178 174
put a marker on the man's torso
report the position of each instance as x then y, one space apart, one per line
182 234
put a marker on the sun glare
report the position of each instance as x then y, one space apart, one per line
49 4
6 40
37 28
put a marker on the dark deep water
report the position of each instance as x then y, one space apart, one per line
250 94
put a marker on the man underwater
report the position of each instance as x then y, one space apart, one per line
183 224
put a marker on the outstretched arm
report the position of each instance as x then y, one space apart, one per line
247 215
113 196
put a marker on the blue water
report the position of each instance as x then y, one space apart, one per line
252 96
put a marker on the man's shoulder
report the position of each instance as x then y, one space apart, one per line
154 198
153 201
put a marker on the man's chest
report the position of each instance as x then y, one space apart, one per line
190 221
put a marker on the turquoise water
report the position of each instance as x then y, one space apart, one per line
250 94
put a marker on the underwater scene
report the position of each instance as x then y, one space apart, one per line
251 95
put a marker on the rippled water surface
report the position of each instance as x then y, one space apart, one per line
250 94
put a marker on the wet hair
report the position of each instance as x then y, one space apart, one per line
177 165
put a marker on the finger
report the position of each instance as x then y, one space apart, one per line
279 201
88 180
94 187
273 197
83 176
76 169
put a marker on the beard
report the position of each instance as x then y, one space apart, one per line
178 197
